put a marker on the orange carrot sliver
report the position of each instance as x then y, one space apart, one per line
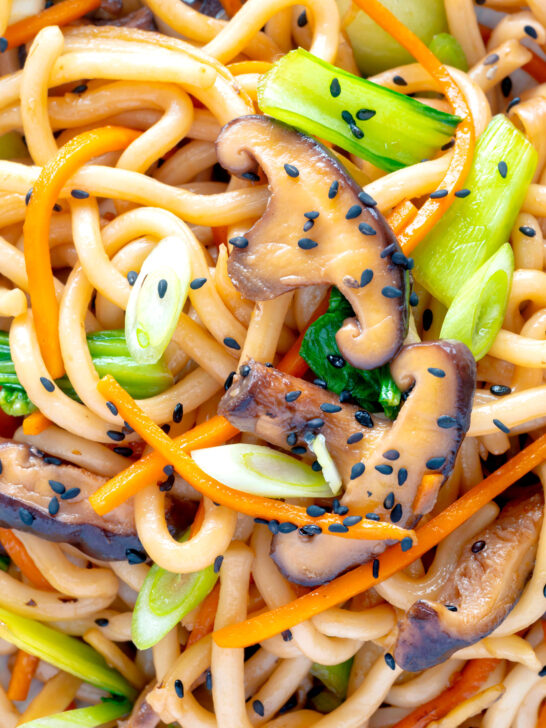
292 363
59 14
206 615
21 558
45 192
391 561
541 722
471 678
231 7
21 675
461 160
252 505
35 423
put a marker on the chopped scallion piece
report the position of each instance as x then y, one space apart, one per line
92 717
334 677
329 470
448 50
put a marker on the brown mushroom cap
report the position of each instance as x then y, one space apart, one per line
424 439
484 587
28 483
308 235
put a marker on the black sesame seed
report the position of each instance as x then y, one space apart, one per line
102 622
506 86
218 564
450 607
501 426
257 705
530 31
262 521
311 529
307 244
229 380
364 418
167 484
327 407
311 215
347 117
342 510
542 673
438 194
56 486
316 466
298 450
389 659
515 101
53 506
399 259
49 460
230 342
402 476
291 170
179 689
396 513
273 526
336 361
372 517
112 407
345 396
208 680
375 568
302 22
3 45
308 225
292 396
384 469
286 634
320 383
57 208
366 229
239 242
315 511
70 493
291 438
335 88
406 543
528 231
389 250
357 470
315 423
355 131
47 384
366 277
244 371
388 503
391 292
26 516
427 319
334 187
477 546
251 176
435 463
503 169
178 412
351 521
353 211
413 299
115 435
168 470
462 193
287 527
355 437
197 283
366 199
79 194
132 277
337 528
28 196
166 428
448 145
436 372
399 81
365 114
446 422
391 454
490 60
500 390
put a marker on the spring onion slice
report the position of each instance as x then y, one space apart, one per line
65 652
92 717
477 312
448 50
165 598
157 299
334 677
387 128
331 475
262 471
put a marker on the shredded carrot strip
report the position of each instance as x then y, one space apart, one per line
231 6
401 215
252 505
204 622
536 66
292 363
471 678
237 69
20 557
391 561
45 192
59 14
35 423
541 722
461 160
21 675
219 235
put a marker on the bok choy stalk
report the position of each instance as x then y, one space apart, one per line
374 389
335 679
165 598
477 311
65 652
383 126
110 356
92 717
476 225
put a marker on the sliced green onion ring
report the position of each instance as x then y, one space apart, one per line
157 299
91 717
477 312
329 470
262 471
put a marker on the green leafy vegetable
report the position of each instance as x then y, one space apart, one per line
92 717
477 311
110 355
65 652
383 126
374 389
165 598
448 50
477 225
334 677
